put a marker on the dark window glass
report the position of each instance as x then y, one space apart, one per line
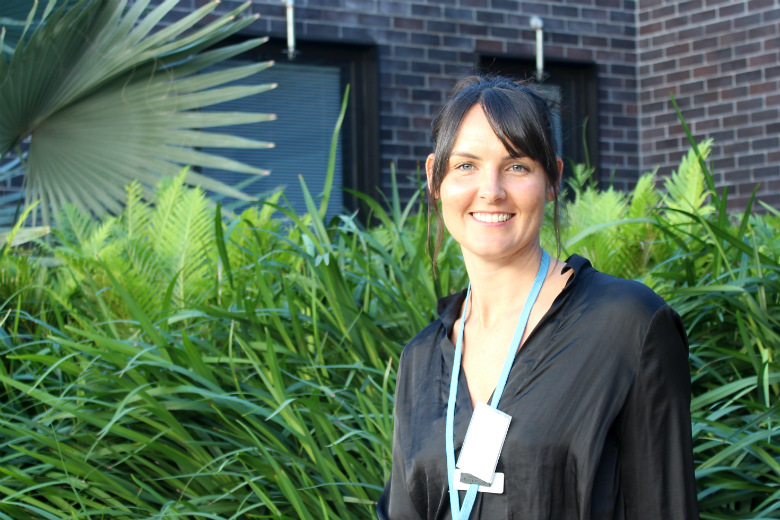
307 103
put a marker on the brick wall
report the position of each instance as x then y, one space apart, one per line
720 58
425 46
721 61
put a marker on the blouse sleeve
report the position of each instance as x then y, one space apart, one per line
395 502
654 428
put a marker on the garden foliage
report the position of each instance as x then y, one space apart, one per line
172 362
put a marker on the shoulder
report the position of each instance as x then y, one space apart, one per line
430 351
422 343
604 293
440 328
624 317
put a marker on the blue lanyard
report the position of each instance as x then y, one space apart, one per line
458 512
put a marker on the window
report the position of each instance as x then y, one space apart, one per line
306 103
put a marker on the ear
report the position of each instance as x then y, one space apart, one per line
429 172
551 189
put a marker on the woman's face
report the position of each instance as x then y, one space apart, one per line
492 203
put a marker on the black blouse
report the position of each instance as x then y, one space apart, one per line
600 402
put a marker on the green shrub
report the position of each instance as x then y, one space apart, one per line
246 369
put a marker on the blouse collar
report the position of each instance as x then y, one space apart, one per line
448 307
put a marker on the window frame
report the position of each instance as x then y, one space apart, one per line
358 64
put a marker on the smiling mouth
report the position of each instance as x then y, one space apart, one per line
492 217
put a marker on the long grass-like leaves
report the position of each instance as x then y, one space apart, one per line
246 368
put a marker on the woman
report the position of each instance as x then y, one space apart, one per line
586 374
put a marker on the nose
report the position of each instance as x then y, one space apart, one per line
491 188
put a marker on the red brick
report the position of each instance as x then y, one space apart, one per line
594 41
750 104
718 27
489 46
764 59
730 38
748 48
733 93
653 133
674 23
651 55
578 54
748 77
706 125
665 38
679 76
745 21
707 70
750 132
723 108
408 23
750 160
691 33
664 65
765 115
736 148
662 12
707 97
682 48
691 60
736 120
703 16
651 28
731 10
721 137
733 65
705 43
764 88
767 143
695 86
719 55
737 179
723 163
691 5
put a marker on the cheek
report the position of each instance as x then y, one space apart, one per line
454 202
453 196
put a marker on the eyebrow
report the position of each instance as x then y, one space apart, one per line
476 157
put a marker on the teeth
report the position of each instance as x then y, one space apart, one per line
492 217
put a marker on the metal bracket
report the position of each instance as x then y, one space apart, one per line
538 26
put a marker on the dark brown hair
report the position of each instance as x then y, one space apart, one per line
520 116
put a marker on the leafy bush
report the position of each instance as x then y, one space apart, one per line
246 369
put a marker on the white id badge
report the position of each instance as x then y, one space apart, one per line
482 446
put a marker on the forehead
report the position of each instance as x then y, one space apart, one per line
475 131
475 124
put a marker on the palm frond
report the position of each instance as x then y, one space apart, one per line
108 97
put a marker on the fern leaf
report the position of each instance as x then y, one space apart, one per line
74 226
135 216
686 188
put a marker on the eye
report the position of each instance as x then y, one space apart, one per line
519 168
466 167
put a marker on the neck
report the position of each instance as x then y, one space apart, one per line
495 288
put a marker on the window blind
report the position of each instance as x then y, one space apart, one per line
306 103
